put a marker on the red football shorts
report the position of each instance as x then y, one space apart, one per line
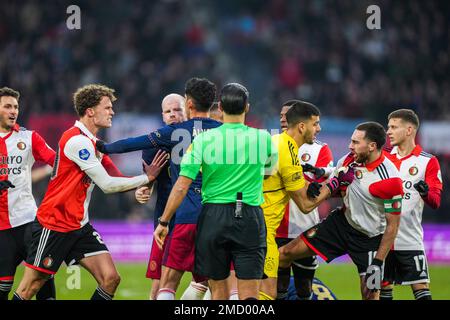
179 253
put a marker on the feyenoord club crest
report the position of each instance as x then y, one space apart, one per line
311 233
413 170
21 145
306 157
358 174
47 262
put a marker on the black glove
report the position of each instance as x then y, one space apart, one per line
100 145
317 172
375 269
313 190
422 188
5 184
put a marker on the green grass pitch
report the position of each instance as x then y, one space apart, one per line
341 278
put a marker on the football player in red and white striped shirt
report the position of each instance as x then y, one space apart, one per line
422 182
62 232
367 227
19 149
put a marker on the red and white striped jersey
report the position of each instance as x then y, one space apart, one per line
19 149
66 202
376 191
294 221
413 168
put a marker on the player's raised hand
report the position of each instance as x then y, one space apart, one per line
5 184
160 234
422 188
346 176
158 163
142 194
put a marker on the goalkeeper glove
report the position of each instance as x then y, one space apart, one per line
422 188
318 172
313 190
5 184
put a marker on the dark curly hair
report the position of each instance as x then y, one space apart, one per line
202 91
90 95
8 92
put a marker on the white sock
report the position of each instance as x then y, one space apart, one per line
165 294
195 291
234 295
207 295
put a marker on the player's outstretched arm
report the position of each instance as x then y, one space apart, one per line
110 184
124 145
312 195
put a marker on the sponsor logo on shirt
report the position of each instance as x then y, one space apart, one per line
84 154
413 170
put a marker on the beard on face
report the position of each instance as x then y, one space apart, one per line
309 137
362 157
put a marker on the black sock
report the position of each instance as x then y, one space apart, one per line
422 294
386 294
5 288
251 298
16 296
101 294
48 291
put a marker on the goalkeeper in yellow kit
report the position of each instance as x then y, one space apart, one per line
287 182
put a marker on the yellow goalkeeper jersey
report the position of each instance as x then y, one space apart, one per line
286 176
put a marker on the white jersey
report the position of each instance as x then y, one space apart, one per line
413 168
294 221
19 149
376 191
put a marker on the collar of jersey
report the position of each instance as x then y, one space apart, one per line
288 137
371 166
233 124
15 128
85 130
416 152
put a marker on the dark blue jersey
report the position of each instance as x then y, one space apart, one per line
175 138
163 186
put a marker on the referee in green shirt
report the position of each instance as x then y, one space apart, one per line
232 159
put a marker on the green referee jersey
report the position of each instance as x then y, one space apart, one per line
232 158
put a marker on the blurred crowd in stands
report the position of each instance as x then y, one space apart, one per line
317 50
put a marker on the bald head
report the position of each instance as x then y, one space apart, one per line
173 109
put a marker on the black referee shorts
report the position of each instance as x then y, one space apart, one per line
222 239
